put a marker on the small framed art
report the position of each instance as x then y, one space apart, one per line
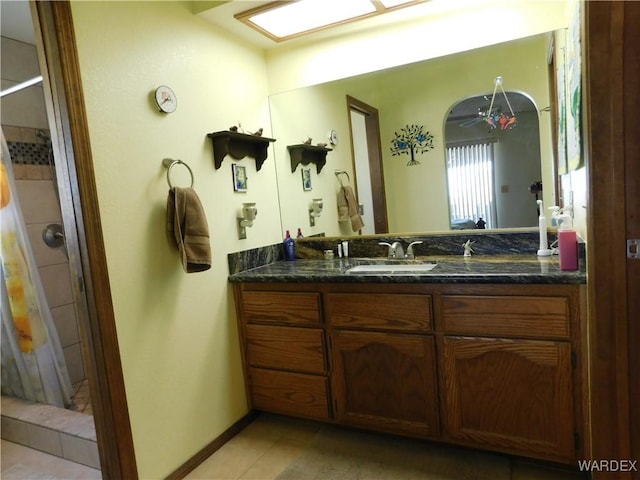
306 179
239 177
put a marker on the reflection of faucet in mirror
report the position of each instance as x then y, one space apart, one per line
396 251
315 210
249 212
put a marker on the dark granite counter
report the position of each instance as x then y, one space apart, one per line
507 269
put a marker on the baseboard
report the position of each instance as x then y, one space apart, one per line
212 447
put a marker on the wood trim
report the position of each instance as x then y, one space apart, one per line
605 89
631 60
376 172
111 416
212 447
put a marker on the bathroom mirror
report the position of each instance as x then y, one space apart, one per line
422 93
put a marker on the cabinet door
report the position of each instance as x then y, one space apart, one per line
385 381
514 395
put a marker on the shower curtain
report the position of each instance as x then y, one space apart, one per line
33 366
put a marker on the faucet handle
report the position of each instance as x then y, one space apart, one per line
387 244
410 253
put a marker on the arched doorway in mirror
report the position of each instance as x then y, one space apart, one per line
492 157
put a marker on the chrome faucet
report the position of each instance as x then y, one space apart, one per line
410 253
397 252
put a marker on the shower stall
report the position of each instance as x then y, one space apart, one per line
36 227
45 392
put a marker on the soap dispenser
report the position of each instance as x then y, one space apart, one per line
289 247
567 244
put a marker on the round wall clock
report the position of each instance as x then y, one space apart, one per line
166 99
333 137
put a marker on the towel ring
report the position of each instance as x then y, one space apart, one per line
341 172
169 163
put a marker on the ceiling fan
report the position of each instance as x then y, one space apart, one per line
481 116
495 117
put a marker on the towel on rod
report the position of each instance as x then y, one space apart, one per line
188 229
348 207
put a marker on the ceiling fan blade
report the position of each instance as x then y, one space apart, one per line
471 122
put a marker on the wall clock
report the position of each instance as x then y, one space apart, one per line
333 137
166 99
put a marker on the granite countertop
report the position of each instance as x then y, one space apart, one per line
514 268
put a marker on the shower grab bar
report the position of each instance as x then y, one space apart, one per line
169 163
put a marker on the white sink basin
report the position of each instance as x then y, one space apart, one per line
393 269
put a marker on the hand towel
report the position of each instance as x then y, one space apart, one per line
348 207
188 229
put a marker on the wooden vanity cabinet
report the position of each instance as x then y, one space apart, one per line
508 373
496 367
284 352
384 365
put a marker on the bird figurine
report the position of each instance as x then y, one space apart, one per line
467 248
233 128
307 141
258 133
323 145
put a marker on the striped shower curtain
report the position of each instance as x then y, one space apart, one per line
33 366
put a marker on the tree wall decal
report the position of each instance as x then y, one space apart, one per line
411 139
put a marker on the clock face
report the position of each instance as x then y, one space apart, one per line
333 137
166 99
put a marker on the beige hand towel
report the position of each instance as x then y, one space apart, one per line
348 207
188 229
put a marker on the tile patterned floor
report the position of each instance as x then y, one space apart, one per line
44 442
264 449
22 463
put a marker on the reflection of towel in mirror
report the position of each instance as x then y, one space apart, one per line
348 208
188 229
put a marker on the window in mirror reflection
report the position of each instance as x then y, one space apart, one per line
471 191
489 169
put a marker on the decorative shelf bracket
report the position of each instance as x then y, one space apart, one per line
239 145
306 154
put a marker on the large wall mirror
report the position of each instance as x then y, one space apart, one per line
424 94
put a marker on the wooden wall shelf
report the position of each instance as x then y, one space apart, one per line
305 154
239 145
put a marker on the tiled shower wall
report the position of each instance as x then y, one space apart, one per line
22 115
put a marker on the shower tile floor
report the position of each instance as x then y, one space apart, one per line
40 438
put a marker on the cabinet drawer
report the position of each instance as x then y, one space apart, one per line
286 348
294 394
395 311
502 315
295 308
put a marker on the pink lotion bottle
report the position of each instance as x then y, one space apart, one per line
567 244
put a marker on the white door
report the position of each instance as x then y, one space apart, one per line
362 174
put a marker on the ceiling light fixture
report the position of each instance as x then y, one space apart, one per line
21 86
289 19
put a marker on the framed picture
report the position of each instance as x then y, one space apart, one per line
239 177
306 179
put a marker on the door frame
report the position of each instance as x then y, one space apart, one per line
54 30
376 171
613 162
